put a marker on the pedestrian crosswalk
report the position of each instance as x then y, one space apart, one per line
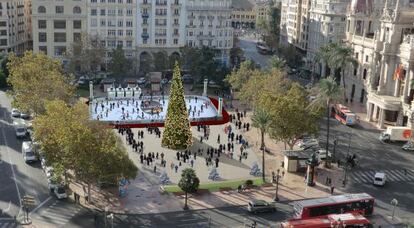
57 214
393 175
7 224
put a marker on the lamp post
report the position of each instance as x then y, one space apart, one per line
347 159
311 162
277 178
335 142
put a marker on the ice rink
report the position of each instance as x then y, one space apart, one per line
136 110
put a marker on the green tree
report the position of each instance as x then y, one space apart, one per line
35 79
3 79
189 183
327 92
290 117
72 142
239 77
119 64
86 55
291 55
277 63
161 61
177 134
236 54
261 119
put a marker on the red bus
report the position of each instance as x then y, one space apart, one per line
360 203
349 220
344 115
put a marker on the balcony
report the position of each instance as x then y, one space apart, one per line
363 41
145 15
205 37
176 24
161 3
145 35
145 5
407 47
191 17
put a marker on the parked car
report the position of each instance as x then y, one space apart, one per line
141 81
309 143
52 184
256 206
60 192
49 171
28 152
24 115
15 113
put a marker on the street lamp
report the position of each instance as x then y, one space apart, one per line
277 178
347 160
335 142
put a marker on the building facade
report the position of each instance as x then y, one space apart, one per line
243 14
294 24
57 24
15 26
327 19
209 24
382 36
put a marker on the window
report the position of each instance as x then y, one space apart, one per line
42 37
103 22
78 24
41 24
111 12
129 43
355 71
129 1
120 32
128 32
3 32
41 9
94 12
76 36
128 23
77 10
3 42
103 12
59 24
120 12
175 41
60 37
364 75
59 9
111 32
366 58
60 50
43 49
120 23
120 43
129 12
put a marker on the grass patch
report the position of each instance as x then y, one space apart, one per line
82 92
215 186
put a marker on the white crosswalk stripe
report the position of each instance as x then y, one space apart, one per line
57 215
7 224
393 175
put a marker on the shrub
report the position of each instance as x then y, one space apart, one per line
249 183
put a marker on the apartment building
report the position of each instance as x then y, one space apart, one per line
294 26
15 26
160 26
243 14
382 36
57 24
209 24
327 19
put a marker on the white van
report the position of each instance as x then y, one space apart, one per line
28 152
380 179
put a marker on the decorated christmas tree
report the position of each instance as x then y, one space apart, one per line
177 132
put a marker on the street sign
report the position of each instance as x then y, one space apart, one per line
28 201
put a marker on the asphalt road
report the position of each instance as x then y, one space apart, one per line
374 155
248 44
17 178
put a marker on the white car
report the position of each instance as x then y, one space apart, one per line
408 146
379 179
15 113
141 81
52 184
24 115
322 154
49 171
60 192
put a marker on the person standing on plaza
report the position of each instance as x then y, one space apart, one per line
218 139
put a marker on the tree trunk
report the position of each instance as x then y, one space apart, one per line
263 165
89 193
343 83
186 195
328 113
263 143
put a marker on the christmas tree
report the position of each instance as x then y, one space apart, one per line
177 132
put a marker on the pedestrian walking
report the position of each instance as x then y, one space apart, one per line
155 169
332 190
192 163
176 168
218 139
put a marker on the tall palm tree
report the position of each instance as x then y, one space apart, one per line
324 54
328 91
261 119
341 57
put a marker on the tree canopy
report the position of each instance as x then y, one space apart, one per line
36 78
119 64
189 181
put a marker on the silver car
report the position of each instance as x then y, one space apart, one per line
256 206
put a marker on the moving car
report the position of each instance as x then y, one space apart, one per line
28 152
20 128
60 192
380 179
15 113
256 206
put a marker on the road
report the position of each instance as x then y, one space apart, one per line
18 178
373 155
248 44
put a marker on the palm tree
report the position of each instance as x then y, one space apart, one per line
341 57
324 54
328 91
261 119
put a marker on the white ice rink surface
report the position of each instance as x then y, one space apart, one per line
133 112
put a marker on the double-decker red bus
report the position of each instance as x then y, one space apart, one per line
344 115
348 220
361 203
